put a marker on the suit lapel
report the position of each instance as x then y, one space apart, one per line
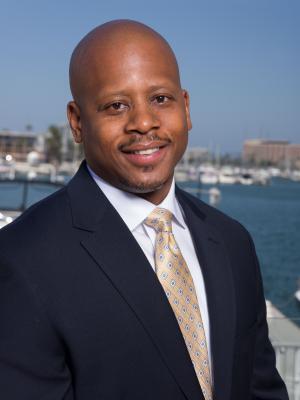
219 286
119 256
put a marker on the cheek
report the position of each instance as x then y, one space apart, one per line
181 147
178 131
175 122
180 141
100 137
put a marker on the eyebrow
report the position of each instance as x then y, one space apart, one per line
125 92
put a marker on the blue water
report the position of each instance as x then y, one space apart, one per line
12 194
272 216
270 213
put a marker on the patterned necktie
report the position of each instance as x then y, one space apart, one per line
174 275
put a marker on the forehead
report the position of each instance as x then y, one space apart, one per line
122 64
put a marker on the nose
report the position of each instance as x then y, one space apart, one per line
142 119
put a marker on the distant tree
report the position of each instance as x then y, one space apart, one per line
29 128
231 159
74 151
80 151
54 145
265 163
70 154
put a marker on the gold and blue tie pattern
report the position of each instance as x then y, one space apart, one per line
174 275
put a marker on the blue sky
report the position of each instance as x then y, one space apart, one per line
240 61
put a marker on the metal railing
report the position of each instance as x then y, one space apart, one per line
288 365
285 338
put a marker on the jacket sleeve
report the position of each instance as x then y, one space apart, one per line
32 362
266 381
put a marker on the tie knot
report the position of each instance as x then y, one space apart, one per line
160 219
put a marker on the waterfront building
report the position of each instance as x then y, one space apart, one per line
20 144
272 152
293 154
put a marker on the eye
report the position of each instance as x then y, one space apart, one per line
114 108
117 106
161 99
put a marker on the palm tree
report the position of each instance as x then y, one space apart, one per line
54 145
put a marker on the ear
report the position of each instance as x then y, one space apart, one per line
73 113
186 99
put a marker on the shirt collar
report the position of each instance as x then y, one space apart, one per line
134 209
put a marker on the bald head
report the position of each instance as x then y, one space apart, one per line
129 110
107 44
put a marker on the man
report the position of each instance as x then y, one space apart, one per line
121 285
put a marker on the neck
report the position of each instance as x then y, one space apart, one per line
157 196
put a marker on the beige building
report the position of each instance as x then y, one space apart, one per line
273 152
293 154
19 144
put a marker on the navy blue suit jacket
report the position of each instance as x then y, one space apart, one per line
83 316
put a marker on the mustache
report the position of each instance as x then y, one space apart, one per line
140 139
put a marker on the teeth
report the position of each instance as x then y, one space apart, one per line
146 152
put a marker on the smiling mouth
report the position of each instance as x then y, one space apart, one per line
144 156
145 149
145 152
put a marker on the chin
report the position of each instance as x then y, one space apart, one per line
140 187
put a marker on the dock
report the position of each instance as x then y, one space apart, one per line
285 337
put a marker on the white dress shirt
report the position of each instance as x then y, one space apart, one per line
133 210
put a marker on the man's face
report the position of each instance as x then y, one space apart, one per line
133 120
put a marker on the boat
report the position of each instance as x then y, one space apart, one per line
214 196
6 219
295 176
246 179
6 167
209 178
208 174
227 175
